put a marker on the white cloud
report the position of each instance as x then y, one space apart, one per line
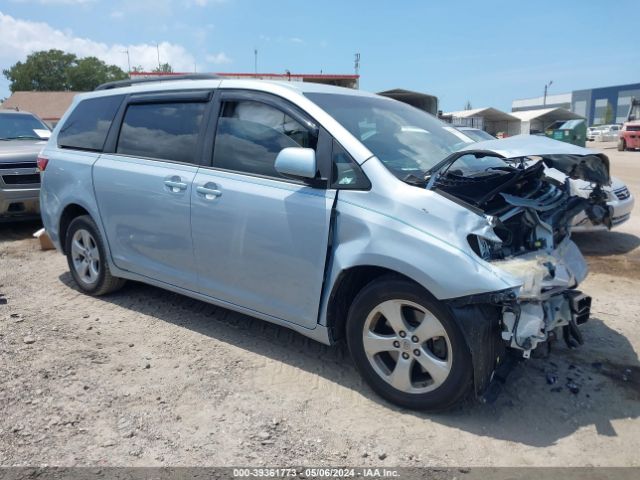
19 38
296 40
117 14
218 58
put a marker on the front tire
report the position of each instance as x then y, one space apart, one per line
407 346
86 257
621 145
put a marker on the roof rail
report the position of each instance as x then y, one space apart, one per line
164 78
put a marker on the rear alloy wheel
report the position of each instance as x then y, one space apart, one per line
407 346
87 258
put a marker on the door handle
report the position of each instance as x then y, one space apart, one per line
209 191
175 185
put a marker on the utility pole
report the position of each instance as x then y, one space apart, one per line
158 50
356 64
255 60
128 61
546 87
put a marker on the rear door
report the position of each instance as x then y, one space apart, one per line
144 186
260 240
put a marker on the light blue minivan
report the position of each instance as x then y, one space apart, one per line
336 213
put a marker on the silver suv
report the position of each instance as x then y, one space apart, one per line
336 213
22 136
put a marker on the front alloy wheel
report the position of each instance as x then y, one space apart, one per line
407 345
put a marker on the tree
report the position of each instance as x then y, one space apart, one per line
55 70
89 72
45 70
164 68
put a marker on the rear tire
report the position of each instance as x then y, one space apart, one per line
86 257
621 145
407 346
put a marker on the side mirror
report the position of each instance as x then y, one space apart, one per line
297 162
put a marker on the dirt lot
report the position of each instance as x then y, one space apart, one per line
146 377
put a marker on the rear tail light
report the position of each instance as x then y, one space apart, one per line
42 162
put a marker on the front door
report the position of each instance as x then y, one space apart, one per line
260 240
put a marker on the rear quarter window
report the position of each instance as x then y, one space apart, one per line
88 125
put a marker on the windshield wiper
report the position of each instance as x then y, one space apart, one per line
431 176
411 179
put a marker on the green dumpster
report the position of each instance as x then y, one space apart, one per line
570 131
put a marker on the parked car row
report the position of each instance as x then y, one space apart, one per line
334 212
603 133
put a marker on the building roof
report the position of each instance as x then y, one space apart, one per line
343 80
556 98
46 105
489 113
423 101
556 112
274 76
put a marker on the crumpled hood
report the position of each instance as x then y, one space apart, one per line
576 162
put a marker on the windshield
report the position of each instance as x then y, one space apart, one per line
19 125
407 141
477 135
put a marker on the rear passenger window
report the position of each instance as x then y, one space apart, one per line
88 125
251 134
166 131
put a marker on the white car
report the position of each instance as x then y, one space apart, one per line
620 199
592 132
607 133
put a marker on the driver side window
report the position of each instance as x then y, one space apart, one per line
250 135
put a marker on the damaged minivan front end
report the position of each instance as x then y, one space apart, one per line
465 244
523 187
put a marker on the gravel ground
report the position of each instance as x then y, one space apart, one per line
147 377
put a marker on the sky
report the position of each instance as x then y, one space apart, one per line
486 52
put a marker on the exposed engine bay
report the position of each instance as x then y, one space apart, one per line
530 200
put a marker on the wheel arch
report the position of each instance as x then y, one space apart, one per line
348 284
71 211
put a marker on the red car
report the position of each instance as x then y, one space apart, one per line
629 136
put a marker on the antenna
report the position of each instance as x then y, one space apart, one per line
546 87
128 61
356 64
